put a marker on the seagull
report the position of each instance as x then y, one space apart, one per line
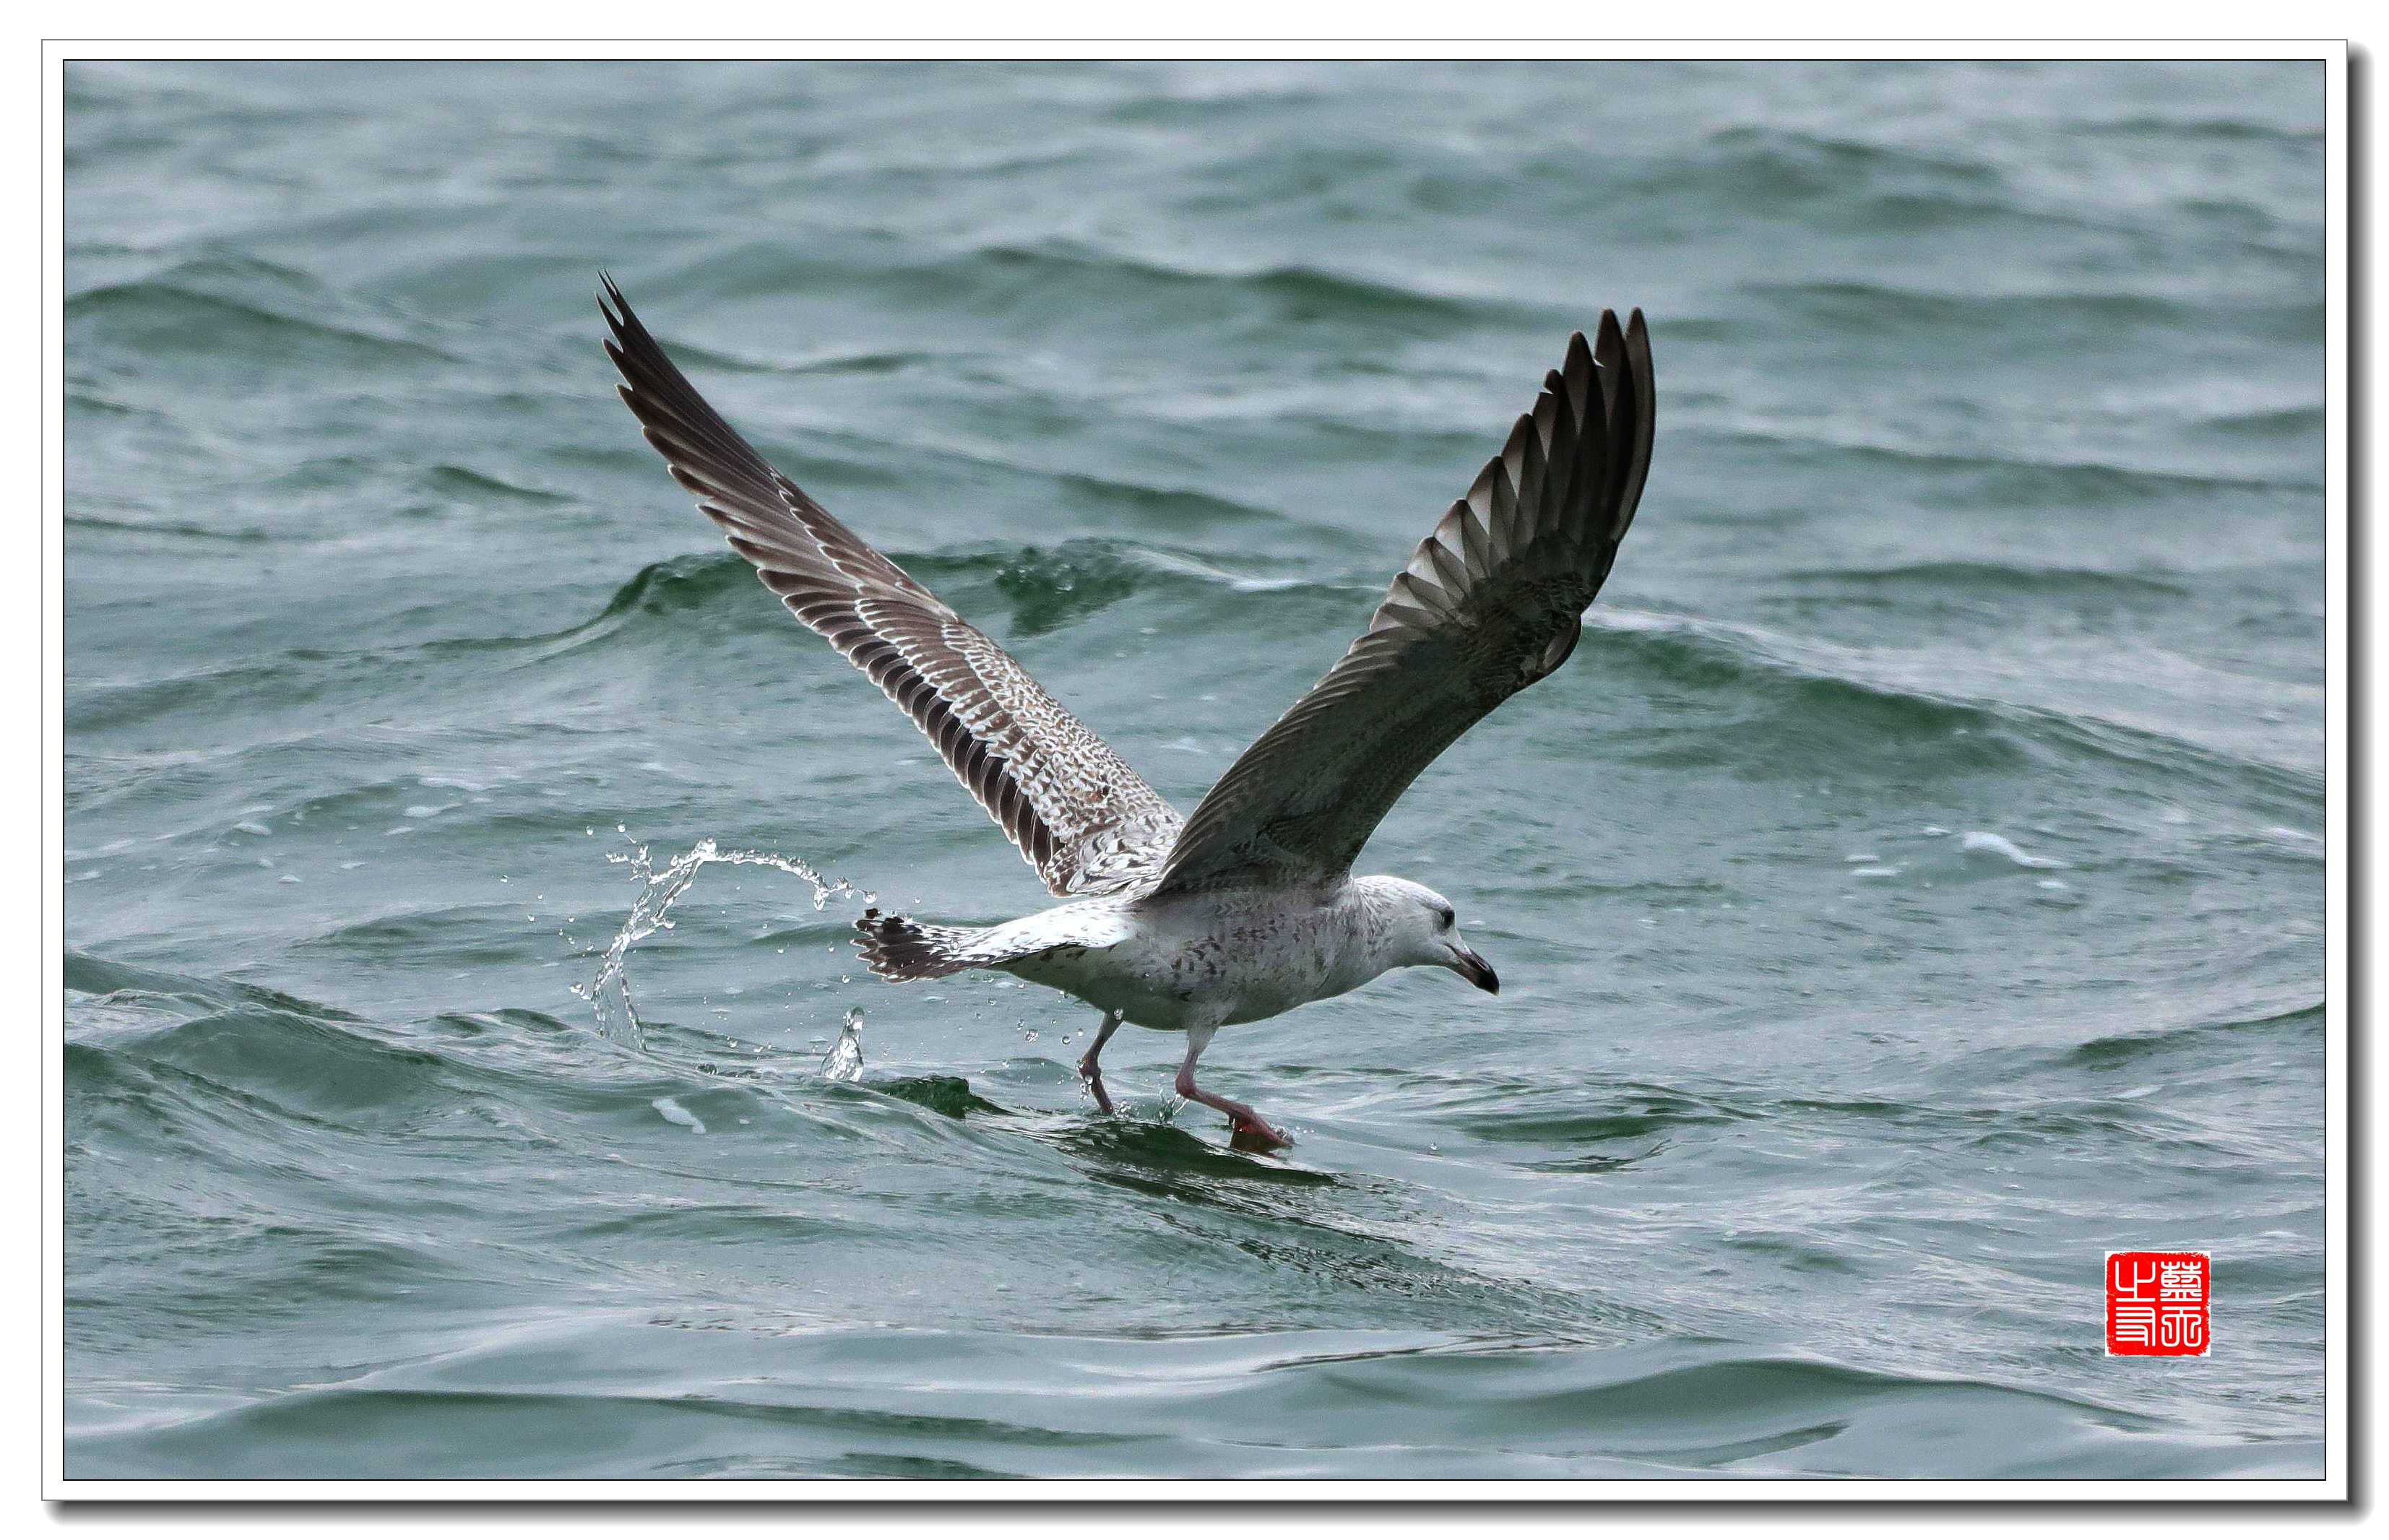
1249 908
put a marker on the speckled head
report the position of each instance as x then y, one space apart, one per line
1422 931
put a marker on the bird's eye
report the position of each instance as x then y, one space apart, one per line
1445 920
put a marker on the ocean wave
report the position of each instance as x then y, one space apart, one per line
1838 708
89 975
302 1064
460 936
717 588
1915 314
1514 1111
1790 163
1794 703
2290 422
101 705
449 483
1793 717
2117 1121
2131 1048
1060 279
624 1397
2003 479
693 355
1046 587
227 1043
2069 584
79 399
173 531
1605 1128
194 1052
160 317
2176 129
1846 183
1759 174
1757 171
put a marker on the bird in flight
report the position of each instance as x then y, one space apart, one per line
1248 908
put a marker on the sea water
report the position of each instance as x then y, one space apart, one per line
1911 890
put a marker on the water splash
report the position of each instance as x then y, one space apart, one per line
845 1061
610 992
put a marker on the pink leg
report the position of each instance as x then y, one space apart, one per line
1091 1072
1245 1127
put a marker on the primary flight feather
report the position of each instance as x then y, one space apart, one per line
1248 908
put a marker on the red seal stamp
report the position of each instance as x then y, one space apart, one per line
2157 1304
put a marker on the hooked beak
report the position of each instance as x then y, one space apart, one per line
1475 969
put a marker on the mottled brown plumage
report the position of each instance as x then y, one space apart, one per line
1088 822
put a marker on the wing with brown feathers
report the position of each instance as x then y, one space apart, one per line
1088 822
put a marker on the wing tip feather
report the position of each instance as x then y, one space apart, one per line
1591 432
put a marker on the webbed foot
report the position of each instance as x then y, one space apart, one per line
1251 1133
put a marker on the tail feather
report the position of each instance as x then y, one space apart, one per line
898 948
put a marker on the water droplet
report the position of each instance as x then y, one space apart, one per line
845 1061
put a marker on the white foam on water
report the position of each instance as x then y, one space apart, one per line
1978 843
674 1112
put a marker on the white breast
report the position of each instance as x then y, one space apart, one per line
1221 959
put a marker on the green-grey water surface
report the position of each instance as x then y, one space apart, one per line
1911 890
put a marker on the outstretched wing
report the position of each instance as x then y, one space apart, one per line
1086 821
1492 601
